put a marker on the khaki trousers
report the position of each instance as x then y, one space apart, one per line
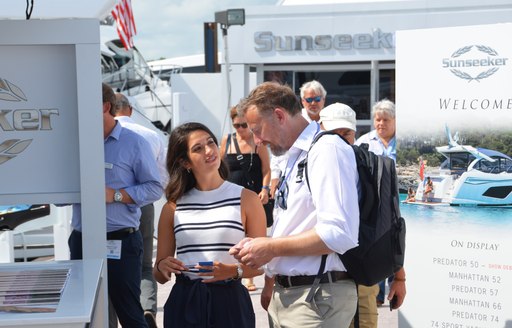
334 305
368 313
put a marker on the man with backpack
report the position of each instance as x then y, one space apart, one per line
322 219
382 141
341 119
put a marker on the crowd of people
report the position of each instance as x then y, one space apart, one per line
212 231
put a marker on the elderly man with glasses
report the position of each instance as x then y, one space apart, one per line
312 95
322 220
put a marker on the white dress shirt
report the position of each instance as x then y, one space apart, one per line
376 146
331 208
158 146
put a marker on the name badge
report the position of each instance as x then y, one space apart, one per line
109 166
114 249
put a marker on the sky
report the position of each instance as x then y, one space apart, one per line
174 28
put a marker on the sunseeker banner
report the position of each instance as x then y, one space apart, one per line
50 111
38 119
454 114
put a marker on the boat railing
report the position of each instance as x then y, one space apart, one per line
128 77
165 72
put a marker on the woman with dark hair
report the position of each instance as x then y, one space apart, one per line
205 215
249 165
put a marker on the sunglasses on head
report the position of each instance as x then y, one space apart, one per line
310 99
240 125
282 193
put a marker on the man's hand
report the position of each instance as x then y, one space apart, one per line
253 252
235 250
266 293
397 289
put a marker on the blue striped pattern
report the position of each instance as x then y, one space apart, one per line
208 223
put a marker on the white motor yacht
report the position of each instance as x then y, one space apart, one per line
127 71
469 176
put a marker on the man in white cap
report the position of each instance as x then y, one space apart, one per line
342 119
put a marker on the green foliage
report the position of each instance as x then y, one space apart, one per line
409 150
433 159
408 156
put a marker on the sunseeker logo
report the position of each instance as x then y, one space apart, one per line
18 120
267 41
483 62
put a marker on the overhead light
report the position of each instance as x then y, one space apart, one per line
230 17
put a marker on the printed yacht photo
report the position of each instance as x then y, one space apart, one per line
469 176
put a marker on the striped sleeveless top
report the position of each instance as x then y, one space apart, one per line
207 224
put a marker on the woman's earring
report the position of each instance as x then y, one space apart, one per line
188 170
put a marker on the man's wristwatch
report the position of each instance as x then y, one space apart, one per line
118 197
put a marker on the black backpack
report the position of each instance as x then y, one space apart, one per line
381 228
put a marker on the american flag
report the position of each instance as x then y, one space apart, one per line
123 16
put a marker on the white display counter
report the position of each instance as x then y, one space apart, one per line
79 305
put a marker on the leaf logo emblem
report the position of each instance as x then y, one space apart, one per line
10 92
12 148
482 75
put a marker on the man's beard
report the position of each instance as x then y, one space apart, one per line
277 150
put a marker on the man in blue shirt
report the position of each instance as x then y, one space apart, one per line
148 286
382 140
131 181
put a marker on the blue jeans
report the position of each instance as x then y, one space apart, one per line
148 286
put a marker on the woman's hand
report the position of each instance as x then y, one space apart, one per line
169 265
219 271
263 195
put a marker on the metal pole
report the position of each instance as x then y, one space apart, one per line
226 59
228 81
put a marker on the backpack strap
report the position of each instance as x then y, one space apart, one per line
380 168
302 167
316 282
302 171
396 208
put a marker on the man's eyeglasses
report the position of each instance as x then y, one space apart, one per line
311 99
282 193
240 125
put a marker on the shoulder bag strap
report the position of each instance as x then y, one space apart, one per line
228 143
238 152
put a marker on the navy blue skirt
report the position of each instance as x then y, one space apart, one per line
194 304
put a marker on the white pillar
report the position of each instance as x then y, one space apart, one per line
61 231
6 247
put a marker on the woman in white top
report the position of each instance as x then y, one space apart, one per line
205 215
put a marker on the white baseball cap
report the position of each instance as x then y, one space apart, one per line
338 115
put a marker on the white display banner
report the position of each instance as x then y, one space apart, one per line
50 120
38 119
454 114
